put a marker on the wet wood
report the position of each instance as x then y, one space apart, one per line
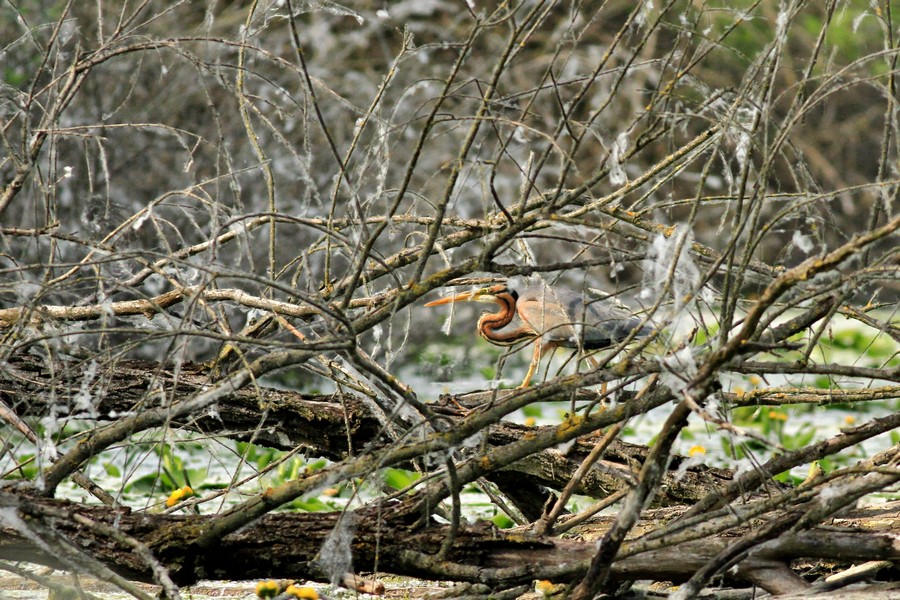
280 419
336 426
392 537
287 545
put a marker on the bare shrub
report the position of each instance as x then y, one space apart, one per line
220 223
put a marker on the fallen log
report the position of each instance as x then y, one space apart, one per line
391 539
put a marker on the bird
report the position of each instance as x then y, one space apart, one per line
551 318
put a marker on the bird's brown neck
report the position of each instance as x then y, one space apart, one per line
490 323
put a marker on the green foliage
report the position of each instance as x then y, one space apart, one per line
443 365
502 521
15 76
399 478
823 382
704 334
803 437
866 342
744 42
854 32
26 470
533 410
257 455
311 504
788 478
439 359
172 474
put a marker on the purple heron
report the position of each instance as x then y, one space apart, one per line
552 318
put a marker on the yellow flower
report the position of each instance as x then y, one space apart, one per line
695 450
174 498
849 419
267 589
545 587
530 421
776 415
755 380
179 495
307 593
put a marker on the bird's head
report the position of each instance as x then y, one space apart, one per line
485 294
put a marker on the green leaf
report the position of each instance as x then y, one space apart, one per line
399 478
311 505
152 483
502 521
532 410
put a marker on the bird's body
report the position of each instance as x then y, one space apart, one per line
551 317
572 320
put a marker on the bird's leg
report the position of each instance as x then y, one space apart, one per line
540 349
535 359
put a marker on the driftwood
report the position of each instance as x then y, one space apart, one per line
392 536
336 426
389 538
275 418
292 208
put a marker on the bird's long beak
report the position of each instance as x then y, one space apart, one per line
487 294
464 297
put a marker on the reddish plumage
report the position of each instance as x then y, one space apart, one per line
552 317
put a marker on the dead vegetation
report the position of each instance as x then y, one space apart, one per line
219 222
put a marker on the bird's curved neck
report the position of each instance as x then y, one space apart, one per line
489 323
